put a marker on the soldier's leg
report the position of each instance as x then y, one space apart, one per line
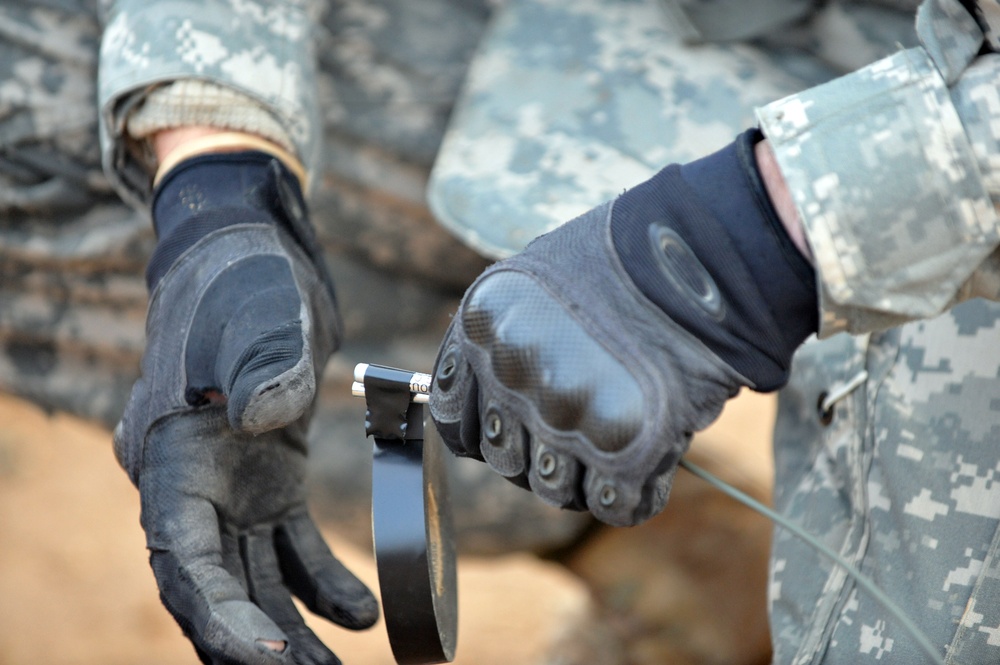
553 122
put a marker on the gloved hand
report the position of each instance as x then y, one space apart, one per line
581 367
241 321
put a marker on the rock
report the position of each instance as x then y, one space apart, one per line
688 587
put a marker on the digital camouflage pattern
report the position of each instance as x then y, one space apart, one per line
72 301
898 474
261 50
569 104
555 120
72 255
838 145
901 479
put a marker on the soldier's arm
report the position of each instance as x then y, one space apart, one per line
208 120
194 63
892 174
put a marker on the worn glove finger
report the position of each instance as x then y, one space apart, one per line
197 491
459 403
213 609
266 588
318 579
200 576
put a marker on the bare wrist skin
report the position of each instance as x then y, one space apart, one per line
173 145
781 198
167 140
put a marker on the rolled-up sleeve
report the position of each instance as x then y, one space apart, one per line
259 49
887 181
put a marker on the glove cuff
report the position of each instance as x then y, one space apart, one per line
704 244
785 278
209 192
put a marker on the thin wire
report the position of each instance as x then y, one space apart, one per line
813 542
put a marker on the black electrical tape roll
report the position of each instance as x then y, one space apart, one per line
411 524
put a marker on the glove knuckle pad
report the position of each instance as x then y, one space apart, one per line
557 405
555 476
529 350
504 440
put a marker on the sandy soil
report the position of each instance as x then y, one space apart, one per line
75 588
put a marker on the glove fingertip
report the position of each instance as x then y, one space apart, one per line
454 402
214 613
353 613
320 580
240 631
273 381
336 594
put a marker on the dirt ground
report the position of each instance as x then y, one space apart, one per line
75 588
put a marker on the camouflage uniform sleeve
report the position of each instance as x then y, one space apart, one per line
890 169
242 64
731 20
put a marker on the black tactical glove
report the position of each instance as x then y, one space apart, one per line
581 367
241 321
